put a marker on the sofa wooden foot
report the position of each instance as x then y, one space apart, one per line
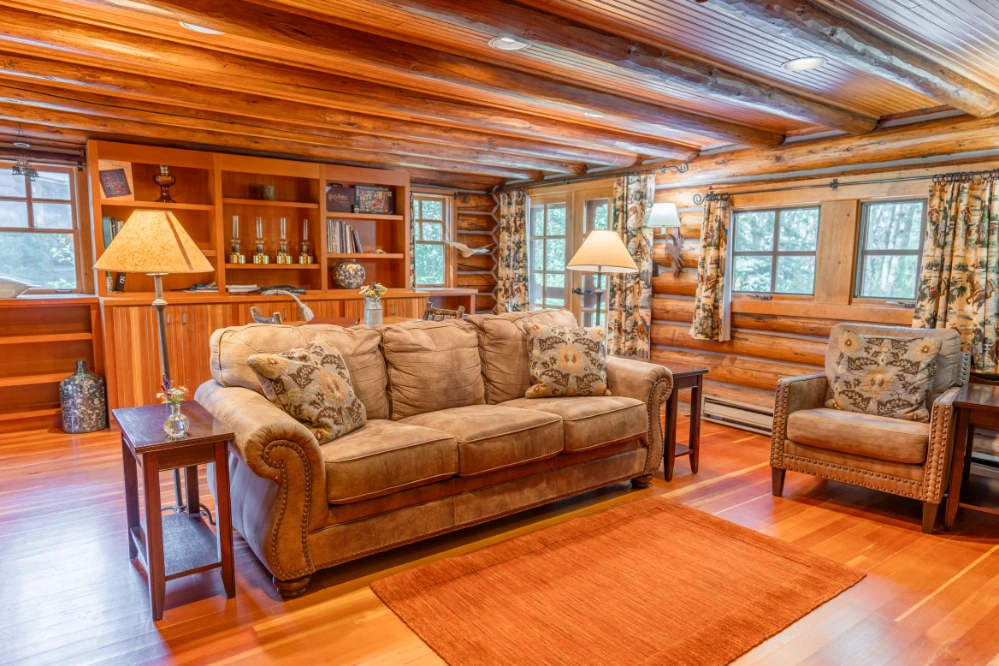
289 589
642 481
777 475
929 516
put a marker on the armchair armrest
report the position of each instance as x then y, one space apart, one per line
650 383
937 467
794 394
274 519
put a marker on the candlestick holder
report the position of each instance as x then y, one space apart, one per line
305 257
282 255
236 255
164 179
260 257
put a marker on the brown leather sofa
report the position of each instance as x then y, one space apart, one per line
449 442
900 457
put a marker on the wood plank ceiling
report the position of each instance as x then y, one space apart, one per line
415 83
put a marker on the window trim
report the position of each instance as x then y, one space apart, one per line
446 235
74 204
543 203
774 253
863 252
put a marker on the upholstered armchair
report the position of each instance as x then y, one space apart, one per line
893 455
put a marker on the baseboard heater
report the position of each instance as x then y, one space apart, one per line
738 415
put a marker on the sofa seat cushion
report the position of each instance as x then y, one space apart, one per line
592 421
894 440
491 437
385 457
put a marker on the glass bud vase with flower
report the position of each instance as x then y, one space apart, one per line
372 294
176 424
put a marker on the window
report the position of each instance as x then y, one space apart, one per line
547 256
891 244
774 251
430 231
38 228
596 216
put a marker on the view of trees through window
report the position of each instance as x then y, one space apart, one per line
596 217
890 249
37 229
546 258
774 251
430 231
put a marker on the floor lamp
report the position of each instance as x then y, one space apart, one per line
601 252
154 242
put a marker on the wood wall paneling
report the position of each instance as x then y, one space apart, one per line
476 221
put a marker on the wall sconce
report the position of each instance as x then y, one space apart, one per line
665 216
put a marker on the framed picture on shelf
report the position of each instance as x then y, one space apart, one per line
339 198
116 180
373 199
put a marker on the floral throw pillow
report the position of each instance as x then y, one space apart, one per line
566 361
312 384
889 377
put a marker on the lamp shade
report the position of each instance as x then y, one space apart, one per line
603 251
664 215
153 241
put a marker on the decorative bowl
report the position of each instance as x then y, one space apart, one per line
348 274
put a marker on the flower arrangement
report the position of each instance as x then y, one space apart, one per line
374 290
172 394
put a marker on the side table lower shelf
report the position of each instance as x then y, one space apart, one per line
189 545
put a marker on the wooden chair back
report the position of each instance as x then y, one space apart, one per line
440 314
261 319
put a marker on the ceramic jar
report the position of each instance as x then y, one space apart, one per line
84 401
348 274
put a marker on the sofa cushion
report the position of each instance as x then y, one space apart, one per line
359 346
592 421
432 365
312 384
866 435
566 361
492 437
503 346
384 457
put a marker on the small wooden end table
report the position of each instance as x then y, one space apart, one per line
976 405
189 543
693 380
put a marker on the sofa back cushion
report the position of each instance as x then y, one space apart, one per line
359 346
503 346
432 365
948 369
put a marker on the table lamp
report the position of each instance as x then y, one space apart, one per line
154 242
601 252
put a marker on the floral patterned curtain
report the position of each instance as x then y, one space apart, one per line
414 215
629 302
511 254
711 309
958 283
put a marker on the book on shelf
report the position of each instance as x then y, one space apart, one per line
241 288
342 238
203 287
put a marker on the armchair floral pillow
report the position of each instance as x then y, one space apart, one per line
889 377
566 361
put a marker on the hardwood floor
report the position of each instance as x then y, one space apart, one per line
69 594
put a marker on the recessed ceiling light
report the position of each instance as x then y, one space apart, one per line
593 114
507 44
801 64
200 28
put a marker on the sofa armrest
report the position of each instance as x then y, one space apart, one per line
650 383
794 394
274 520
937 467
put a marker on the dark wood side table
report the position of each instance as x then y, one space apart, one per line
693 380
976 405
188 543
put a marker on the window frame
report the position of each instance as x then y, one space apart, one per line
544 203
446 235
774 253
862 251
73 202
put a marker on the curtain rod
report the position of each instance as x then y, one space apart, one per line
834 184
600 175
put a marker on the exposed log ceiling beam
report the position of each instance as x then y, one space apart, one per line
18 69
804 22
503 19
95 47
286 37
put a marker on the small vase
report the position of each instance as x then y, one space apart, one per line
84 401
372 311
176 424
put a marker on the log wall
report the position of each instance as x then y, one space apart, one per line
475 226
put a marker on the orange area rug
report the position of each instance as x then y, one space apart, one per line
647 582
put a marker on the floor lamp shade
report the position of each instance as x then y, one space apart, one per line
153 241
603 251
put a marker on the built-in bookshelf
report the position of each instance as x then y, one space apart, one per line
212 188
